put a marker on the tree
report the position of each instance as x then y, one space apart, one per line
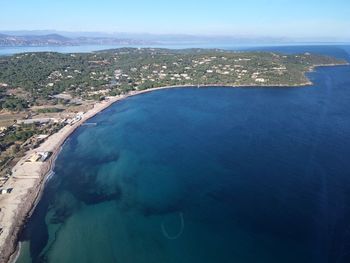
13 103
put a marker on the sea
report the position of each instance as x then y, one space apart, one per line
12 50
202 175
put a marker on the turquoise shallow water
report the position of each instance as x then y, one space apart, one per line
204 175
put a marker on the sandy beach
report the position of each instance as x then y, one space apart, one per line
28 180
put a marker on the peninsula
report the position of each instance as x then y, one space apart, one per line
44 97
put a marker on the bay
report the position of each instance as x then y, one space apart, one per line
205 175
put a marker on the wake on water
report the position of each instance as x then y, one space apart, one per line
182 226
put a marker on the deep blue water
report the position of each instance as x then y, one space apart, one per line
6 51
204 175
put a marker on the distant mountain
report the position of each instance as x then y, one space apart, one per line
64 38
52 39
59 40
163 38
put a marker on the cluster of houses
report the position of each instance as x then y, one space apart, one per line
38 139
68 73
176 71
100 76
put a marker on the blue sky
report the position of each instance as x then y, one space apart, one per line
291 18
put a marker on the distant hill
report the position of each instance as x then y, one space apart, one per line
59 40
65 38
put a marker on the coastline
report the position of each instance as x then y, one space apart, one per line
28 179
